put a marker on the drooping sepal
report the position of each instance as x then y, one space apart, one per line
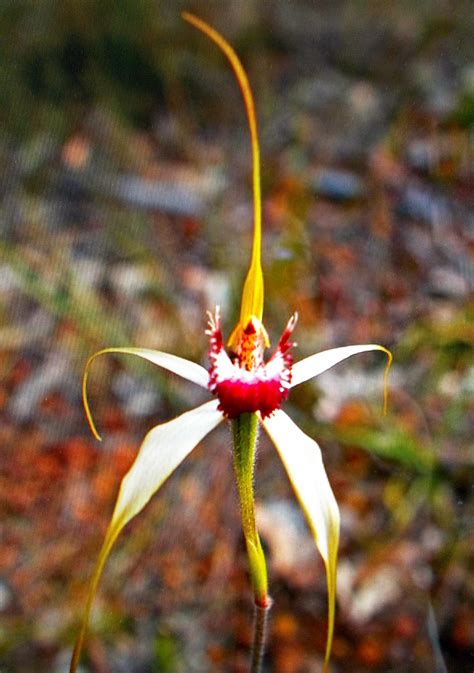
162 450
302 459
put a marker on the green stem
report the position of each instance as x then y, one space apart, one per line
245 429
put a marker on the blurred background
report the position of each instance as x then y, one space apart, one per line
125 215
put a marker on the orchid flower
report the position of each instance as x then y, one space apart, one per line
248 392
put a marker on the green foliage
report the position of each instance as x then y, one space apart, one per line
165 651
60 56
464 113
391 443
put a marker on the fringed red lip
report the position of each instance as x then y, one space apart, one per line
244 383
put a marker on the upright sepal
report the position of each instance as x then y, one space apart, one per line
252 295
302 459
162 450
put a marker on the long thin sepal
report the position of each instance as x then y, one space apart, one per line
320 362
163 449
185 368
110 538
302 459
252 296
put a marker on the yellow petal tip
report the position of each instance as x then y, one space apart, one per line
385 378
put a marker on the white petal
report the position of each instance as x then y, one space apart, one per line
162 450
302 459
186 368
319 362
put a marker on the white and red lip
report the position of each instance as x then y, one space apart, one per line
245 383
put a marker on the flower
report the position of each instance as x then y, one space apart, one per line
244 383
249 392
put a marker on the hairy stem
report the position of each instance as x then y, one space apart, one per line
245 429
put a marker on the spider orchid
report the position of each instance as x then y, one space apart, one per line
248 391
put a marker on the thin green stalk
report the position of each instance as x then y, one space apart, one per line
245 429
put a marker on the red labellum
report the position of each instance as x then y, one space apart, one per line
241 380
